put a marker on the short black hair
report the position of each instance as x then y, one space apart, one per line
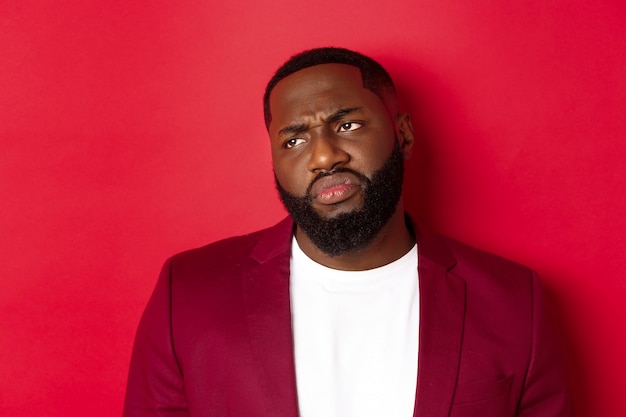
375 77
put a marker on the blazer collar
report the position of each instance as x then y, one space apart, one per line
274 241
442 314
268 314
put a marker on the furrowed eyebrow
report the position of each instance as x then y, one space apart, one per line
301 127
341 113
289 130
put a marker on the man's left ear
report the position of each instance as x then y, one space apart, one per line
405 134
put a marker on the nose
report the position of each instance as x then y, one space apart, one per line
326 153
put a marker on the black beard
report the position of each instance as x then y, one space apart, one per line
357 229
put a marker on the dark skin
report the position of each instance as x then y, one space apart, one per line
322 118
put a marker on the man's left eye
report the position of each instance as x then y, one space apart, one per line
349 126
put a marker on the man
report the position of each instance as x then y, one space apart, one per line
345 308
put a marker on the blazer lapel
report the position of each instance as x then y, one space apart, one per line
268 314
442 310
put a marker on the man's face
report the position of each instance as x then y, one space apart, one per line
332 143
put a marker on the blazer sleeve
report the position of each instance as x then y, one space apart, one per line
545 392
155 381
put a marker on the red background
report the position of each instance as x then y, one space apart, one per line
133 130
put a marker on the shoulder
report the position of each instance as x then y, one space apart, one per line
481 270
232 252
470 260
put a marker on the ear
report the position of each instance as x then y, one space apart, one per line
404 130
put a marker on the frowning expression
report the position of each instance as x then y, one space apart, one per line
323 119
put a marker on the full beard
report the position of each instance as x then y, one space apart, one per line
354 230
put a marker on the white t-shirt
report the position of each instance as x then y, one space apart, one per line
355 337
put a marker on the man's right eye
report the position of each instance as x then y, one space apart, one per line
293 142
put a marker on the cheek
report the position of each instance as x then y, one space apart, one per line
369 160
290 177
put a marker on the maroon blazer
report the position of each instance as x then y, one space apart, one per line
216 339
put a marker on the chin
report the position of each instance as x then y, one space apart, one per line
330 211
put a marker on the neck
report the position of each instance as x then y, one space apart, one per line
393 242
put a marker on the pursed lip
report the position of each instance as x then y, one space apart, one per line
335 188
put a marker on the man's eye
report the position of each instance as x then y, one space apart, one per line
349 126
293 142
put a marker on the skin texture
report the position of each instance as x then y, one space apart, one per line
323 118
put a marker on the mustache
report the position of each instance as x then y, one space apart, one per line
328 173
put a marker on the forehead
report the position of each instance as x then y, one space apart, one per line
318 78
320 89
